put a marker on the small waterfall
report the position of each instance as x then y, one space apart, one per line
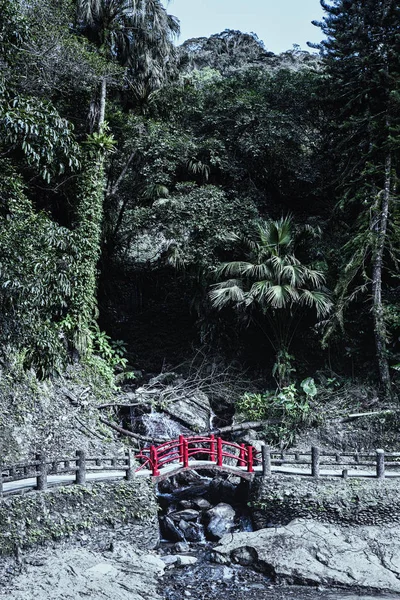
158 425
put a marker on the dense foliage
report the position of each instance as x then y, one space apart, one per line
209 194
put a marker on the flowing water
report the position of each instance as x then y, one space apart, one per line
206 580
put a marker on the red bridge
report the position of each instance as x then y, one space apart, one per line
199 452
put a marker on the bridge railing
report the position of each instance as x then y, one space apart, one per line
200 448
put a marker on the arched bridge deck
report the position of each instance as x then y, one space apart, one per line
199 452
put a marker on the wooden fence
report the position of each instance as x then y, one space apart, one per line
380 463
79 466
315 463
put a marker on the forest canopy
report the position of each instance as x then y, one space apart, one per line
161 198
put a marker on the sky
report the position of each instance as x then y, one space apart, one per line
279 23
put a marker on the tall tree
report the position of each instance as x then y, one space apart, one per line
362 63
117 28
138 34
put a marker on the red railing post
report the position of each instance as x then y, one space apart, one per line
219 452
185 452
250 459
242 456
212 448
181 446
154 461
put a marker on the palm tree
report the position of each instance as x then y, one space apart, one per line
137 34
275 281
117 28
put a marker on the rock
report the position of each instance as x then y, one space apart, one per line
201 503
221 489
193 411
170 531
309 552
102 569
186 515
74 573
185 561
193 532
169 559
182 547
184 504
220 520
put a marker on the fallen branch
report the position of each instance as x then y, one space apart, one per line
136 436
368 414
241 427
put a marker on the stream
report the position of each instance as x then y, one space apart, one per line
188 538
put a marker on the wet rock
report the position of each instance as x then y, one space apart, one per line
219 520
184 504
181 547
170 531
311 553
186 515
221 489
193 532
201 503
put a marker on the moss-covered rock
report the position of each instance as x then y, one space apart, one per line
42 517
279 500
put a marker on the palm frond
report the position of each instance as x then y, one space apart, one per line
226 293
275 296
317 299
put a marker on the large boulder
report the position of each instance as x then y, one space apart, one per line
309 552
192 410
219 521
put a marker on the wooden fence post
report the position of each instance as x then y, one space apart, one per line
129 471
315 461
80 476
380 464
266 461
41 477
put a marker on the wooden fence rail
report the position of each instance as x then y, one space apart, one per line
79 465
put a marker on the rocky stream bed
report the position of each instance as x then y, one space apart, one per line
209 551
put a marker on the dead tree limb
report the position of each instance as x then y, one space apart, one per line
241 427
378 413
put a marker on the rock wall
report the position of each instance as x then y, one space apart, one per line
109 511
279 500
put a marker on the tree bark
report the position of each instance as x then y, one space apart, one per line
380 228
103 96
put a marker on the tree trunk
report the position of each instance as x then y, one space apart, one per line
103 96
380 228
